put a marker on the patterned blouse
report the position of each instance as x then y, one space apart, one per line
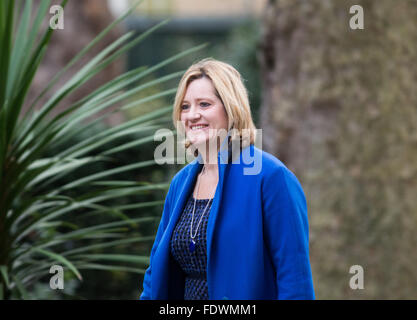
193 264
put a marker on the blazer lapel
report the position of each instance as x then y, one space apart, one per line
184 189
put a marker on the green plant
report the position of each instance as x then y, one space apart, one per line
34 224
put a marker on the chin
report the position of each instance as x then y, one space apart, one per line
200 142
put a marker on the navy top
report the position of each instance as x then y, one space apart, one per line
193 264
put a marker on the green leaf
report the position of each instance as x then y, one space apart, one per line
95 266
115 257
18 56
76 81
61 259
85 50
21 289
6 31
108 244
5 275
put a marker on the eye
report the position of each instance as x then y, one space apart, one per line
204 104
184 106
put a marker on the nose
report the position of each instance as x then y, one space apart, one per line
193 114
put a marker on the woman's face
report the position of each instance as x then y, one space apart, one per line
202 107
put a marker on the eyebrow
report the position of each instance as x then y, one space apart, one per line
199 99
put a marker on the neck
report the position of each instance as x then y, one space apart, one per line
209 154
210 169
209 161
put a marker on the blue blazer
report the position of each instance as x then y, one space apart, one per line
257 233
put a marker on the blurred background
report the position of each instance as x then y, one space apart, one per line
336 105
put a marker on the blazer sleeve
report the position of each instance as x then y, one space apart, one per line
286 233
147 283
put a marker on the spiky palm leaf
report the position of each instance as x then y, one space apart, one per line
25 215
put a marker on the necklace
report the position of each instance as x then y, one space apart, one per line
192 242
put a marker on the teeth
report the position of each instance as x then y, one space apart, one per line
197 127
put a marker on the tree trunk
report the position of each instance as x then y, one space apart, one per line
340 109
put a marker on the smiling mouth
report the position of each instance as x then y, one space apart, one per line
200 127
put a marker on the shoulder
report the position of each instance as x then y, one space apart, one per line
182 173
271 166
180 176
275 175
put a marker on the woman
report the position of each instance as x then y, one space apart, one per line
227 231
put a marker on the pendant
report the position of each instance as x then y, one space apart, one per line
192 246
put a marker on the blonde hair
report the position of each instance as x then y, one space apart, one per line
230 89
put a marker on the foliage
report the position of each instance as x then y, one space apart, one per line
40 193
